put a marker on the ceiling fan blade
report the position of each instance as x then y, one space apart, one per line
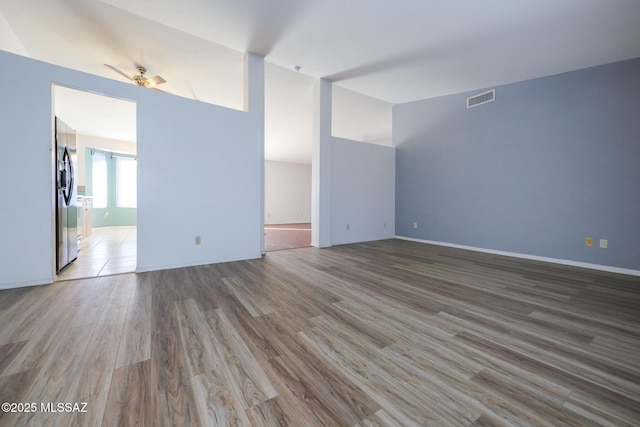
155 81
118 71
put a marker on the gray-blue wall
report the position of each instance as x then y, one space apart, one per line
550 162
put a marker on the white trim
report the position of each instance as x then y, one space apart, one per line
16 285
531 257
194 264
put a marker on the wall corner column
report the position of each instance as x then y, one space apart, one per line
321 165
254 99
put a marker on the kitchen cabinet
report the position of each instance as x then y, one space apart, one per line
85 204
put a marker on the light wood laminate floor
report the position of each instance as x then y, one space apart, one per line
279 237
388 333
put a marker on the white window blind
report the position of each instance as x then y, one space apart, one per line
126 184
99 180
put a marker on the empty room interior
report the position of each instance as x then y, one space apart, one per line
303 213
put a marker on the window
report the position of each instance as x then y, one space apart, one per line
126 184
99 178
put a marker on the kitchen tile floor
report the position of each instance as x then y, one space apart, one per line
107 251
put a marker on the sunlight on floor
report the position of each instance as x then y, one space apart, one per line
108 250
287 236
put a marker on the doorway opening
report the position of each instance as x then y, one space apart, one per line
105 175
287 206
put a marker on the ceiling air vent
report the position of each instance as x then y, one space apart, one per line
482 98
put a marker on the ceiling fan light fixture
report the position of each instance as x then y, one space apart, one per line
140 79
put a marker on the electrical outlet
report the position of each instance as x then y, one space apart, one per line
198 240
604 243
415 225
589 241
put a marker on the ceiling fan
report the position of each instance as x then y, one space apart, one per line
141 79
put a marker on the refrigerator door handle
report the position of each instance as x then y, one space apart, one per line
63 180
67 177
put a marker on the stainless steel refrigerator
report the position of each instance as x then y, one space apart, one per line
66 191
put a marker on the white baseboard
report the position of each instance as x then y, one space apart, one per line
149 268
15 285
531 257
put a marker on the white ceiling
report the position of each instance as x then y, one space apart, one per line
377 52
89 113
